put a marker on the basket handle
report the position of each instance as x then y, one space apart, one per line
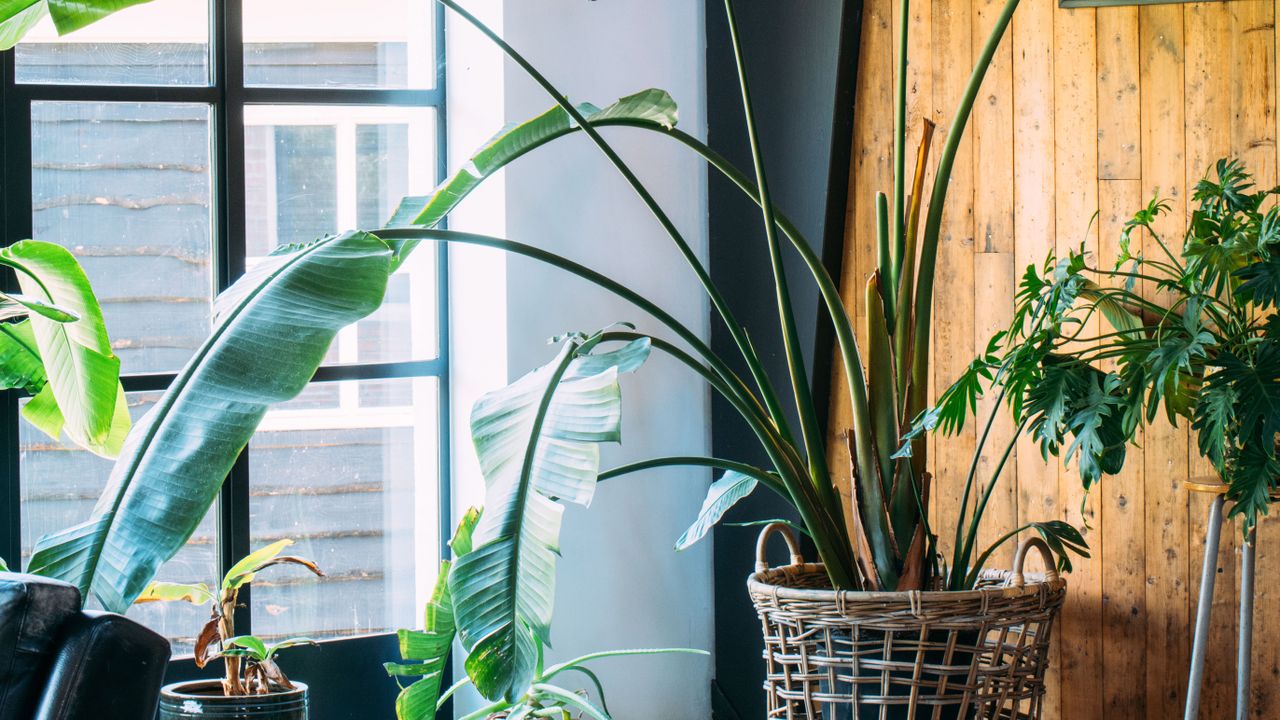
1017 579
762 564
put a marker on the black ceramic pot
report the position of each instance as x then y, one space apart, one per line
203 700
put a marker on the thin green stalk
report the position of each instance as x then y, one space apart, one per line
839 565
770 481
622 291
972 477
557 669
899 157
972 577
736 330
826 529
565 697
595 680
721 378
841 322
972 536
486 711
846 340
937 204
452 689
814 442
883 261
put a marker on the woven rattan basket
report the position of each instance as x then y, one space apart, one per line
904 655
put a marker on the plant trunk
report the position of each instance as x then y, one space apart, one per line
231 684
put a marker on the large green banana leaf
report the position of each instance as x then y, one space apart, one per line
271 332
538 442
652 106
82 395
19 16
20 364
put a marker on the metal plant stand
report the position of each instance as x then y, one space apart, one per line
1204 606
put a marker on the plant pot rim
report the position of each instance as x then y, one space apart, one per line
779 582
184 691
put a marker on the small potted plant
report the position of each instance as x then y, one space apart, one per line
253 684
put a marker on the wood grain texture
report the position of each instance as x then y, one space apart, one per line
953 332
994 274
1122 513
1208 29
1075 106
1097 109
1035 224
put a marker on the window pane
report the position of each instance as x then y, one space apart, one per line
314 171
321 43
60 485
354 482
159 43
126 186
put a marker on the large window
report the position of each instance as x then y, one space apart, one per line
170 147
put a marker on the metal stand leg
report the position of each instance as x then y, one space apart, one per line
1208 574
1244 657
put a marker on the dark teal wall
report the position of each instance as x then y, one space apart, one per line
800 56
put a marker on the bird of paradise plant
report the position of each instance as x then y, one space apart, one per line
536 439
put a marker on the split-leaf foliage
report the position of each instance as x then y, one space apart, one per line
1191 329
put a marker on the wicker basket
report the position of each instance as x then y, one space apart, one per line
904 655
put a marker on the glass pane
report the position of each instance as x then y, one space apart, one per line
355 484
314 171
321 43
126 186
158 43
61 484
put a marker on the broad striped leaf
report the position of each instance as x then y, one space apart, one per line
272 330
538 442
20 363
723 494
653 107
70 15
83 372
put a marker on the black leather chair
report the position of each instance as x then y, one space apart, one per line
59 663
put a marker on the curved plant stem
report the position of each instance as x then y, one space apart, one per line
683 332
937 204
751 471
736 330
815 447
896 260
827 529
822 519
557 669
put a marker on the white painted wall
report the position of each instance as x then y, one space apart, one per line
620 583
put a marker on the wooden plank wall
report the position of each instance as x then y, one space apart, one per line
1084 111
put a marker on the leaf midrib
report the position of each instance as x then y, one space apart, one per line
180 383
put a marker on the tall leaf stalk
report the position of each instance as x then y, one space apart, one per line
500 587
889 545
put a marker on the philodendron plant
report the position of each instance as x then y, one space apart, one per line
249 662
1192 328
425 653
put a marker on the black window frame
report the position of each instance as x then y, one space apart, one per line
227 97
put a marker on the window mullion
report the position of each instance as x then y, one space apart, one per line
17 225
229 254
